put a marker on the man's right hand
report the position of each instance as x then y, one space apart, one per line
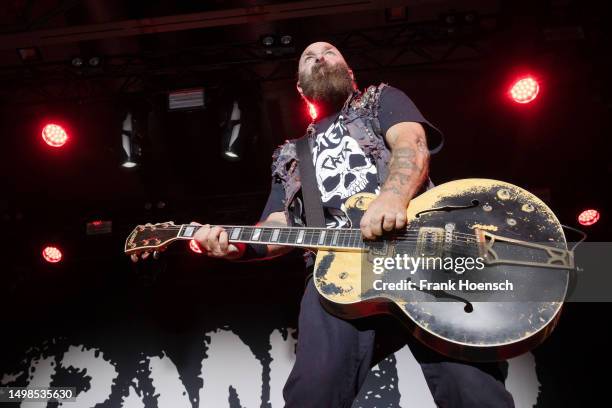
214 242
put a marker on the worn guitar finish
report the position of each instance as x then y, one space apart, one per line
516 234
484 210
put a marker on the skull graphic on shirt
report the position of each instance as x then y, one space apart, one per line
342 169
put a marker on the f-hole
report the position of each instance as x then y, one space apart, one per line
450 208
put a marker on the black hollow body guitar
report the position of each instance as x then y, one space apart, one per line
510 235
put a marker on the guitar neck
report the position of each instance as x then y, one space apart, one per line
314 238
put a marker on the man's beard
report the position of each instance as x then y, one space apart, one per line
329 85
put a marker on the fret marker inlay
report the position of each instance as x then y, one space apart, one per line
300 237
235 233
322 237
256 234
275 235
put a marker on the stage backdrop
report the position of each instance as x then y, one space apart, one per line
218 368
207 336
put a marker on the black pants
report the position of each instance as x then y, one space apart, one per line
334 357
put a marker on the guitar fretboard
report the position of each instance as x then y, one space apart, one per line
292 236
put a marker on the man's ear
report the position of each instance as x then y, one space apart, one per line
351 74
299 88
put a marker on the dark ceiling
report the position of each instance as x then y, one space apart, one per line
557 147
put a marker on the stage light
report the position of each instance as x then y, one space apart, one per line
286 40
54 135
231 137
186 99
268 40
77 62
52 254
524 90
99 227
30 54
450 19
588 217
194 246
312 111
129 143
94 61
277 45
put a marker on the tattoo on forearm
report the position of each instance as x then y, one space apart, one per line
402 164
407 168
399 177
403 158
393 190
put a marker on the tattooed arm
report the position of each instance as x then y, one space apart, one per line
407 171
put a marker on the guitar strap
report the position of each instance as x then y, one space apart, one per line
310 189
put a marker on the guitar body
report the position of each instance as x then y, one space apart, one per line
490 218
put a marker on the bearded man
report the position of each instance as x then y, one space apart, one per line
376 141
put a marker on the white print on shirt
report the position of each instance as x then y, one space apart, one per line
341 167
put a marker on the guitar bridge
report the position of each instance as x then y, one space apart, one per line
555 257
431 242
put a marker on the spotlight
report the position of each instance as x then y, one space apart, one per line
94 61
524 90
31 54
52 254
450 19
129 143
98 227
268 40
54 135
275 46
231 137
194 246
588 217
312 111
77 62
286 40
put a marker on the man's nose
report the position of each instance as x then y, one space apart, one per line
319 59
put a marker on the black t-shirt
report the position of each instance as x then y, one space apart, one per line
341 167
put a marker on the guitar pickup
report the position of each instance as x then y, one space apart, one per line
430 242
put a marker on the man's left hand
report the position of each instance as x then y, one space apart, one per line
385 213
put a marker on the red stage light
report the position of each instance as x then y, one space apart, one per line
524 90
52 254
194 246
54 135
588 217
312 110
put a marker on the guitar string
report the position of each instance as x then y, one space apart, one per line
354 237
345 231
457 244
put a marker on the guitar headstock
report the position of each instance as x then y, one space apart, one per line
151 237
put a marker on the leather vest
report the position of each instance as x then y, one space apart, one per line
360 117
